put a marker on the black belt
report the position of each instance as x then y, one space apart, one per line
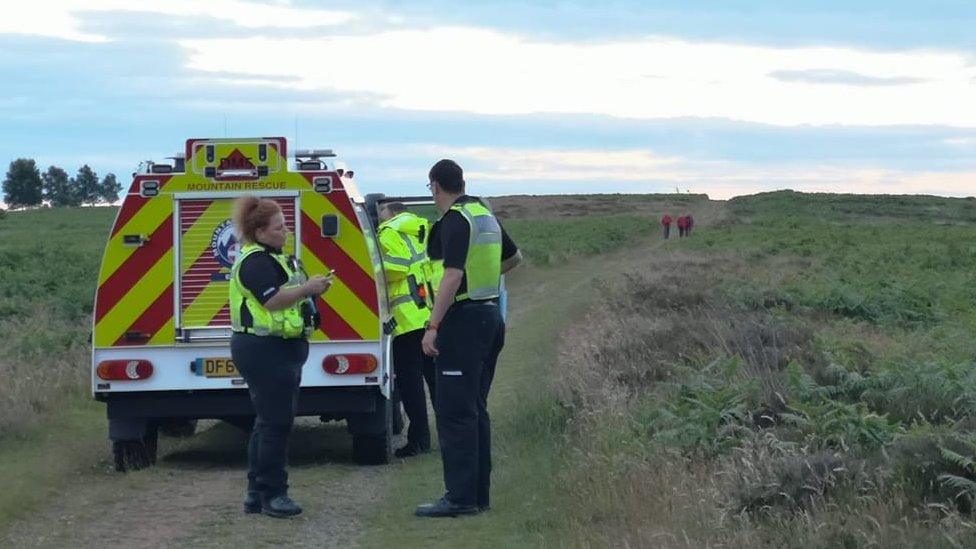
493 302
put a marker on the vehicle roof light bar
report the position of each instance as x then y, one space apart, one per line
314 153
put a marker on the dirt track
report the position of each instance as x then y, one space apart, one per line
193 498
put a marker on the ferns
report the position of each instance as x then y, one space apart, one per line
961 481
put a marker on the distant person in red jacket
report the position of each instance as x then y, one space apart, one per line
666 223
689 223
682 226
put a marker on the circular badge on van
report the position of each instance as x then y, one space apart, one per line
223 243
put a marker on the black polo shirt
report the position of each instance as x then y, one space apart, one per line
450 236
262 275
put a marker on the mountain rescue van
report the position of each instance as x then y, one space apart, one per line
160 341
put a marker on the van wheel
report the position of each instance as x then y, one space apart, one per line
376 449
178 428
132 455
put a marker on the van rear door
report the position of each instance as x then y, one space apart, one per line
206 248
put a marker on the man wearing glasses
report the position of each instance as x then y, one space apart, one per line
465 334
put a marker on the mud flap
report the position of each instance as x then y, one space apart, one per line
127 428
134 443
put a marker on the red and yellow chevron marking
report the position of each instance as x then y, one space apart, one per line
349 309
134 298
127 270
204 302
146 219
136 284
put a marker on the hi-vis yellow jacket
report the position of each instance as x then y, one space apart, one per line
286 323
403 243
483 265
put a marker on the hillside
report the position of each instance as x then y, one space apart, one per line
802 374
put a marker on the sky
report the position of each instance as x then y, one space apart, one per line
551 96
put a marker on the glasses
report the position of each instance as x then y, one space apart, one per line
430 186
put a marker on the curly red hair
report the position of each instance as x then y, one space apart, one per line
252 213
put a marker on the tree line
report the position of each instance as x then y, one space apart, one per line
25 186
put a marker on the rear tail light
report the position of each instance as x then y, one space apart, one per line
124 370
349 364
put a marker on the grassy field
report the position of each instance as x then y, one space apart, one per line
803 374
50 260
49 265
799 373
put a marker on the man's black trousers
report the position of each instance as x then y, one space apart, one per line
470 338
272 368
412 367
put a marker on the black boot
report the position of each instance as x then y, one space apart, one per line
252 502
280 506
445 508
411 449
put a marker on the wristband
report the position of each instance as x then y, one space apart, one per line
431 325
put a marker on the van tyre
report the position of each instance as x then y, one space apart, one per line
376 449
371 449
132 455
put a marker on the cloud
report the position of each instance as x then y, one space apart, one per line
961 142
827 76
61 18
523 171
483 71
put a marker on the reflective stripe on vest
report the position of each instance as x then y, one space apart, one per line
407 275
286 323
483 264
415 256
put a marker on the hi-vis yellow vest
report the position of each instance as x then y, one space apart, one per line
403 241
286 323
483 264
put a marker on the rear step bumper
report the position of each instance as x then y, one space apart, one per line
217 404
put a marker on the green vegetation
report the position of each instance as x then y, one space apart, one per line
25 186
808 380
549 241
49 263
800 372
38 462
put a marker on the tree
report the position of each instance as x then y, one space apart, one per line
22 187
58 189
109 189
86 183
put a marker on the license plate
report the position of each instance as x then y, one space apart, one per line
217 367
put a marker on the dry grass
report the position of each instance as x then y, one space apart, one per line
668 319
38 375
668 324
555 206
